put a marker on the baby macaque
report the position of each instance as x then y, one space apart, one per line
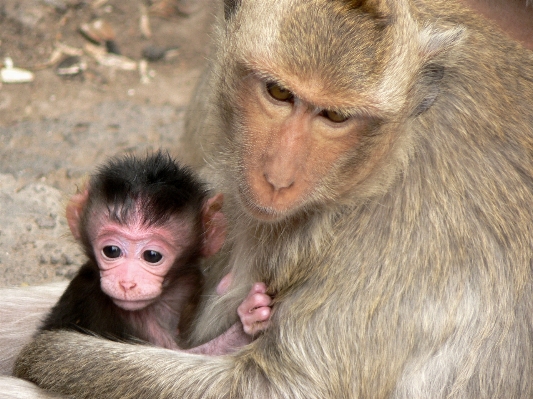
145 225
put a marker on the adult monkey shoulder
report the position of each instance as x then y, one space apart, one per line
381 189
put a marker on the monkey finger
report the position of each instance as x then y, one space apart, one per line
257 297
253 302
259 315
254 327
258 288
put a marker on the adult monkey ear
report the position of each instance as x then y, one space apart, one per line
74 210
436 48
214 224
230 6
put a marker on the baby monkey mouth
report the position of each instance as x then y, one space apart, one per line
132 304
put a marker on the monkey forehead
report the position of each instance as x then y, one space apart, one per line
351 48
328 39
177 232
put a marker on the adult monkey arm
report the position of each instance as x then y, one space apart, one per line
22 311
185 375
376 158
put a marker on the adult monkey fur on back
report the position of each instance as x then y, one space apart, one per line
376 157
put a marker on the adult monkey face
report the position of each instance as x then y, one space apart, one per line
311 137
289 146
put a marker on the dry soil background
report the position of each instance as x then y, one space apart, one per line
55 129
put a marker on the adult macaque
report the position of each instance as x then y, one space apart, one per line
376 161
145 224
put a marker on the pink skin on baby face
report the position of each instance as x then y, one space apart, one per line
134 259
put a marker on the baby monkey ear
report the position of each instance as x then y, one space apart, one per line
75 208
214 224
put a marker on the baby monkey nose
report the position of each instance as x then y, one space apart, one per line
127 285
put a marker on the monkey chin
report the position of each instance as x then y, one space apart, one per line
132 305
264 214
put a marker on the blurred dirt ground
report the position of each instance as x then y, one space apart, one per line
56 129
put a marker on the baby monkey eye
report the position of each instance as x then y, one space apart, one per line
152 256
334 116
279 93
112 251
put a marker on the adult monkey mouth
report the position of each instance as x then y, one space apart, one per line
260 212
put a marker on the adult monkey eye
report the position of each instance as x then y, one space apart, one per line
279 93
334 116
152 256
112 251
